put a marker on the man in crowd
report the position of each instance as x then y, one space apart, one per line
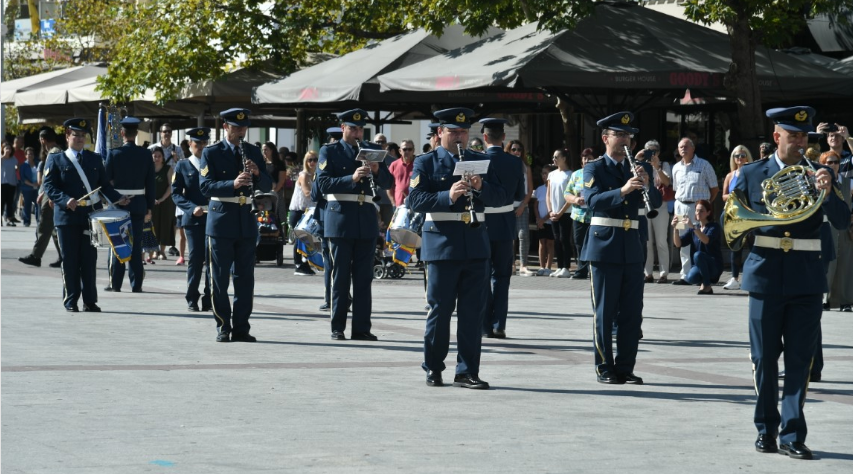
45 229
693 178
401 170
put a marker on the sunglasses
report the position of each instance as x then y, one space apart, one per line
740 155
516 149
407 149
380 142
167 132
312 160
832 162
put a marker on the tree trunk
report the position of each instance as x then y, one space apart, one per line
743 81
570 138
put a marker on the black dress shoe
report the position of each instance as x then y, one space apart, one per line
72 309
814 378
31 260
500 334
630 378
363 336
137 290
434 379
489 334
115 290
223 337
579 276
766 444
324 307
91 308
338 336
681 282
609 377
243 337
192 307
796 450
206 308
56 264
470 381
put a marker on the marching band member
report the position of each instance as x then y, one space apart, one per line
68 176
131 171
614 250
230 171
351 224
786 279
186 192
456 253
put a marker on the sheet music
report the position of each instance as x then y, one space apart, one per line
471 167
371 155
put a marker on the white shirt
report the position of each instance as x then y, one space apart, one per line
557 181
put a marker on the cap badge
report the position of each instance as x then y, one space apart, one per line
626 119
356 116
460 117
241 116
801 116
200 132
82 123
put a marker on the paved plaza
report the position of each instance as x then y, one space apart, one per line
144 388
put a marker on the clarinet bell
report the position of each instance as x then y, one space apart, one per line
474 221
652 214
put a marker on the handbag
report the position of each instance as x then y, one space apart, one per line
666 192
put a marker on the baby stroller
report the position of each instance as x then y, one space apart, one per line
395 249
270 237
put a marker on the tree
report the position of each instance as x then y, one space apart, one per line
750 23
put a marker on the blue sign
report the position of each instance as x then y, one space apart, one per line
48 28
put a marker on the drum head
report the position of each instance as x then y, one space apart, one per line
109 215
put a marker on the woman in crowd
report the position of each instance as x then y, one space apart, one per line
543 224
704 241
9 184
740 156
522 214
561 223
163 215
659 227
278 170
839 274
291 176
29 186
302 200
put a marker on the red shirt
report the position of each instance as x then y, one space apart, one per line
21 156
402 172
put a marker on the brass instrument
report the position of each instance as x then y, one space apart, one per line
376 197
472 219
650 213
790 196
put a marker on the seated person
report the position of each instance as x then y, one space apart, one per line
704 241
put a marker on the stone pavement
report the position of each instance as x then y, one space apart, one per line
143 387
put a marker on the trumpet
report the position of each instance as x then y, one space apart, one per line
375 198
650 213
472 219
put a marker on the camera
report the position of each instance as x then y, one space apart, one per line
648 153
831 128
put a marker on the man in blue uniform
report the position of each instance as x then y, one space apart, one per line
131 172
455 251
614 251
500 223
350 223
186 192
785 278
68 176
230 172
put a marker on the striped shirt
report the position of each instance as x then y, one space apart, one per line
694 181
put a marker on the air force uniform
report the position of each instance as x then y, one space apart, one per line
501 226
71 175
231 227
131 172
186 192
614 249
456 255
785 278
352 227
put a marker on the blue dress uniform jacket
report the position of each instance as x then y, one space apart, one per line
508 172
187 195
616 256
457 260
62 182
232 232
785 294
352 229
130 168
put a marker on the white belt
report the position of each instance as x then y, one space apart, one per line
825 218
203 208
641 212
131 192
608 222
516 204
787 243
500 210
359 198
241 200
451 216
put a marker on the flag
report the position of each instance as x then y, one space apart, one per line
121 238
400 254
101 143
312 255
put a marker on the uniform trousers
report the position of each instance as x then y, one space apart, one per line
352 264
79 259
327 271
792 322
232 257
136 273
198 256
460 285
44 230
500 268
617 298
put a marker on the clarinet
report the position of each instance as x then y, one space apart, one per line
650 213
473 222
246 169
375 198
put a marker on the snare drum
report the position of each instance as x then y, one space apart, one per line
406 226
308 229
97 220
